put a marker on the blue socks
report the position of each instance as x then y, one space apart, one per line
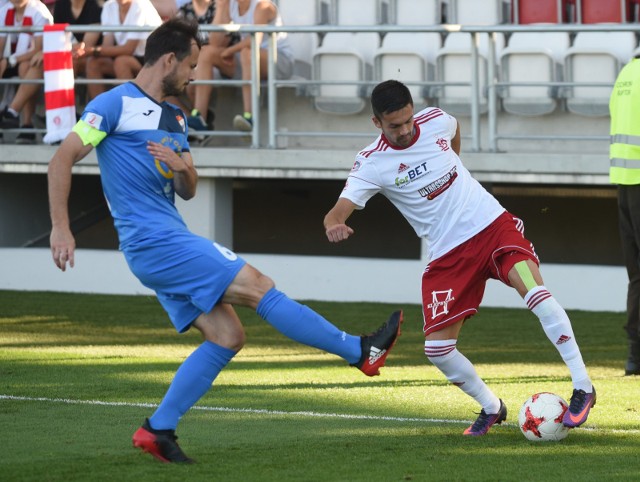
197 373
304 325
192 380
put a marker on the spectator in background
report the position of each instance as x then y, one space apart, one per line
624 154
121 53
22 56
167 8
227 56
79 12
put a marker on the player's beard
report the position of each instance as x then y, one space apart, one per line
171 86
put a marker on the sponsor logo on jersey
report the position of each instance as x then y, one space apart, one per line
402 167
412 175
148 113
439 186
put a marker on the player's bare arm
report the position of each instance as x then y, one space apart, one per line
334 221
62 242
456 141
185 175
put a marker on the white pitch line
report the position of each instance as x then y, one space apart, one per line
261 411
257 411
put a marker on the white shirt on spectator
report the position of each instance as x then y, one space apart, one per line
141 13
35 14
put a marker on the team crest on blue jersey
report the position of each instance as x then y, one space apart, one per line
180 120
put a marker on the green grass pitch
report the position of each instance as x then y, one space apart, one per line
78 374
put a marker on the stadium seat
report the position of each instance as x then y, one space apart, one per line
408 57
532 57
410 12
595 57
605 11
474 12
355 12
539 11
295 13
453 65
343 57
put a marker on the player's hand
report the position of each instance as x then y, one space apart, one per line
338 232
63 247
167 155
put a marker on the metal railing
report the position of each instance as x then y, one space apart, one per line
273 84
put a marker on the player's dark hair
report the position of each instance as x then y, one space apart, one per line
173 36
390 96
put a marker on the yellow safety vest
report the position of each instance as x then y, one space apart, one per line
624 107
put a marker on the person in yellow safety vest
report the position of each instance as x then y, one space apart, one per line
624 154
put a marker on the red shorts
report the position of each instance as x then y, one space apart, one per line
453 285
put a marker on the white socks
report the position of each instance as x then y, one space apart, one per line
557 327
459 371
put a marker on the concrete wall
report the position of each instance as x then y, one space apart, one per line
582 287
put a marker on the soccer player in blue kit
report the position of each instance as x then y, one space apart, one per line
144 159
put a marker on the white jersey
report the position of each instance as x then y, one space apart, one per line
426 182
36 14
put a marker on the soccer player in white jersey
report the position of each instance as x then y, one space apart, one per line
415 163
143 152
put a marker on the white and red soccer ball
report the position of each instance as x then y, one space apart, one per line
540 418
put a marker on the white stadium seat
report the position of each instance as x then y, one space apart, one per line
595 57
532 57
343 57
408 57
412 12
355 12
294 13
477 12
453 65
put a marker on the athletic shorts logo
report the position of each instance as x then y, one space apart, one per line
440 302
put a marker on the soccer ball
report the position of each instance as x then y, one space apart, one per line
540 418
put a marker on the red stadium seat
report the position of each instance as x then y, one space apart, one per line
605 11
540 11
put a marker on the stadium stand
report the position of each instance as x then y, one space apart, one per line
532 57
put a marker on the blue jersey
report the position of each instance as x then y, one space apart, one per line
139 189
189 274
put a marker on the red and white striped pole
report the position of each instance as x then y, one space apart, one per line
59 94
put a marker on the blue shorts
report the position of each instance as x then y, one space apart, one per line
189 274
